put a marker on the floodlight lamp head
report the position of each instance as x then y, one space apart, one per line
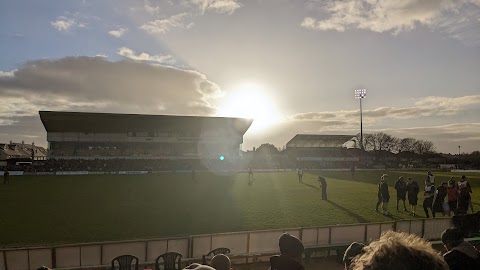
360 93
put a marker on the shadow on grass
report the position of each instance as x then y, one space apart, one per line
308 185
359 218
476 203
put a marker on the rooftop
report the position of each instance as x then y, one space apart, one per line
119 123
319 141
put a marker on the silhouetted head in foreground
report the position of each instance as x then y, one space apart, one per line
291 246
399 251
352 251
452 237
198 266
221 262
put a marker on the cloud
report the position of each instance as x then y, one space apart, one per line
165 25
63 23
453 16
218 6
118 33
452 132
162 59
6 74
96 84
424 107
151 9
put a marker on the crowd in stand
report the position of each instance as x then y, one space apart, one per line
119 164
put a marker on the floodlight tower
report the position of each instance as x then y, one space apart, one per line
361 94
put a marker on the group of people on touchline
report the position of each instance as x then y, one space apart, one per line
458 195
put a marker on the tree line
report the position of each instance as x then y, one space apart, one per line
379 141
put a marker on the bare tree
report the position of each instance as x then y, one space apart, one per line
424 147
406 144
381 141
358 144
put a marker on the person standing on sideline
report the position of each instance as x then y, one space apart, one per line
401 188
429 193
323 185
6 176
383 195
413 189
300 175
194 177
250 175
431 177
352 171
464 197
439 200
452 192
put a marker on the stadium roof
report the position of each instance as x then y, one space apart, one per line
118 123
314 141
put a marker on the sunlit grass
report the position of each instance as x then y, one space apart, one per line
66 209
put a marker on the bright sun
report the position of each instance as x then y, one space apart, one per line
250 101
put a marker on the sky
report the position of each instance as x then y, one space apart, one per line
292 65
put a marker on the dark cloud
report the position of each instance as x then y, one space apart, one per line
94 82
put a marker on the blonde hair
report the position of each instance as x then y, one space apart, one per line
399 251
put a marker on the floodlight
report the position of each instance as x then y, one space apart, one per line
360 93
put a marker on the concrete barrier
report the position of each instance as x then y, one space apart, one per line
253 243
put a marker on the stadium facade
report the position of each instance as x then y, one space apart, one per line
322 151
73 135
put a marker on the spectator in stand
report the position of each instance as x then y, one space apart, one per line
399 251
439 200
221 262
460 255
383 195
401 188
353 251
452 192
413 189
429 193
291 250
464 197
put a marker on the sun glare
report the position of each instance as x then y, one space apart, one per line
250 101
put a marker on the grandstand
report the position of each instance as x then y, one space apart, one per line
78 135
322 151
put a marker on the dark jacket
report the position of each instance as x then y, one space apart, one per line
383 190
401 187
286 263
463 257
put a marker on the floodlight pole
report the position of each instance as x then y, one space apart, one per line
361 125
361 94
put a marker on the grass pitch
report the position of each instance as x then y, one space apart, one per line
36 210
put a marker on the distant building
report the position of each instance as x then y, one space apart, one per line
134 136
21 151
322 151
